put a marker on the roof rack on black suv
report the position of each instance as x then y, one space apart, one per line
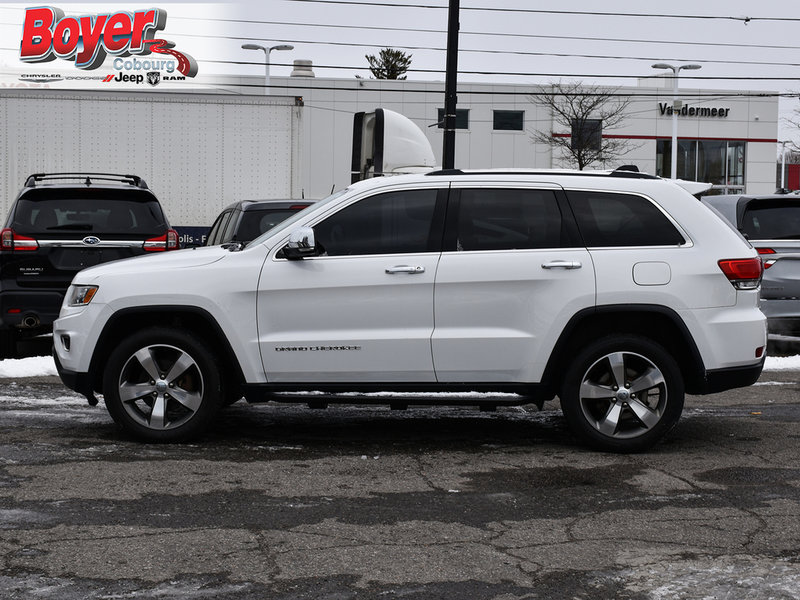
61 223
87 178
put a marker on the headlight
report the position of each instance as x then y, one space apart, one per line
81 295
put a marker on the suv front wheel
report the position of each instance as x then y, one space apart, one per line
622 393
162 385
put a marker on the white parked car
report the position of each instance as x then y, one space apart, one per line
615 291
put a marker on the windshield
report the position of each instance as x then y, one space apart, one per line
297 216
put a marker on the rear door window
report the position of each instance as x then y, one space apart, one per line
609 219
508 219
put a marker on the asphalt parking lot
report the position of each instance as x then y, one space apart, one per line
287 502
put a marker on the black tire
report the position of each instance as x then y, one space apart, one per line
162 385
622 393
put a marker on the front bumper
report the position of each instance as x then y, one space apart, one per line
77 382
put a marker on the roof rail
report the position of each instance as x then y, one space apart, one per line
625 173
88 178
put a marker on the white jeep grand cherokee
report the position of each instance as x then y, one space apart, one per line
615 291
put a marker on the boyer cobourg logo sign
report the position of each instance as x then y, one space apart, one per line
47 34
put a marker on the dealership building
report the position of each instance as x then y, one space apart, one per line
726 138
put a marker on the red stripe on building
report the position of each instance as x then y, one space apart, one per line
669 137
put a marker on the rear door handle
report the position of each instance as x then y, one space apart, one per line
405 269
562 264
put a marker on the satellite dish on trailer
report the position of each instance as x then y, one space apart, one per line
387 143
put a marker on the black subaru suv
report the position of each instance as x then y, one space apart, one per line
61 223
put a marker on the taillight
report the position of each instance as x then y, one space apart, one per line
298 206
743 273
168 241
14 242
173 242
766 251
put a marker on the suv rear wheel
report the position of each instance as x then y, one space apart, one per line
622 393
162 385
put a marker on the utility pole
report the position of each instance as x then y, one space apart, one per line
450 88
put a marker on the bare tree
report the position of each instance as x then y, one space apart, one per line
583 113
389 64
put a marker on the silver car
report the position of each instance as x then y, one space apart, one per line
771 223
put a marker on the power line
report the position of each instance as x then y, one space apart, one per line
526 73
593 75
743 19
501 34
488 51
666 93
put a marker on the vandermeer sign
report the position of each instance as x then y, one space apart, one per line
665 109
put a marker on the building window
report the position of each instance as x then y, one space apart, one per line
508 120
720 163
587 134
462 118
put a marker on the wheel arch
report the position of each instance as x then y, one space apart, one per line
188 318
657 323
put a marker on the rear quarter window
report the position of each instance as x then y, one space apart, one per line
611 219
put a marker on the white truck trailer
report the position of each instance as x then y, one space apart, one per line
197 152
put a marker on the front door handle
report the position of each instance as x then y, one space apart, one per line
562 264
405 269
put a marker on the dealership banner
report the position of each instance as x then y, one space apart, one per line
113 47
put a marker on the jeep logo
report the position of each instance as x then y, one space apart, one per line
91 240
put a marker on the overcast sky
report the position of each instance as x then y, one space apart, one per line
740 45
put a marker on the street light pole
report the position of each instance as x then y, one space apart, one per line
783 166
675 70
266 59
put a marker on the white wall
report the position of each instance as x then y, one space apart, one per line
197 152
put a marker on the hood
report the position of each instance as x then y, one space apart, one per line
162 261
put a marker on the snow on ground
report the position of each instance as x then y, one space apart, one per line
37 366
34 366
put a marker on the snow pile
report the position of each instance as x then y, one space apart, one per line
782 363
34 366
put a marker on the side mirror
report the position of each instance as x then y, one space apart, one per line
301 244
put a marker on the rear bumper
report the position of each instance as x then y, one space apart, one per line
720 380
783 316
34 309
